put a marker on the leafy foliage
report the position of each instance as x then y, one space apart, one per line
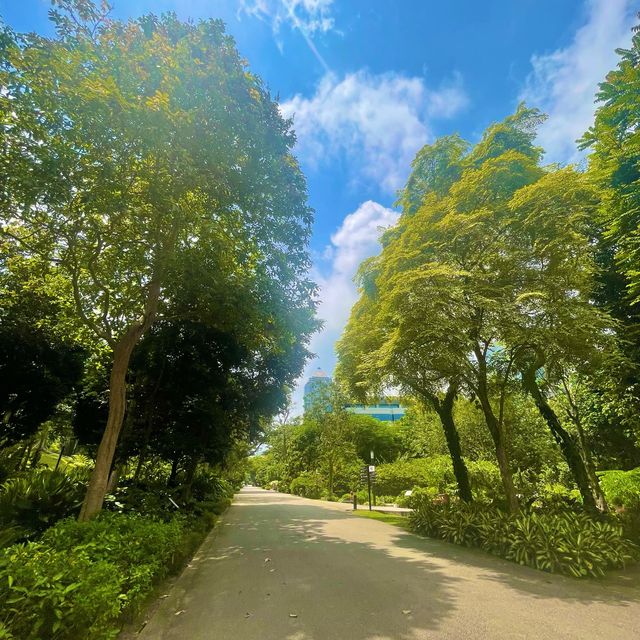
568 543
32 502
622 488
307 485
76 582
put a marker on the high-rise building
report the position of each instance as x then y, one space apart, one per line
318 380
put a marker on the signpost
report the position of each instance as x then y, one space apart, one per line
368 475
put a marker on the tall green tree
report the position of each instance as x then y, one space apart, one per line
614 164
137 153
488 283
442 282
614 140
555 329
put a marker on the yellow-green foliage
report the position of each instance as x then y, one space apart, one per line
622 488
568 543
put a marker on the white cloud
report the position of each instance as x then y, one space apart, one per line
377 122
310 16
357 238
563 83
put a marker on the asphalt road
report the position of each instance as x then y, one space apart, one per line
285 568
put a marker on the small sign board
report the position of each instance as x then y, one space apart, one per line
372 468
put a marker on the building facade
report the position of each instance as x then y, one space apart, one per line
384 411
318 380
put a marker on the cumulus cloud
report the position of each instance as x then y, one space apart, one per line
357 238
377 122
563 83
310 16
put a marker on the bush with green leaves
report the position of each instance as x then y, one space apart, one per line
211 494
307 485
396 477
76 582
568 543
31 503
436 474
622 488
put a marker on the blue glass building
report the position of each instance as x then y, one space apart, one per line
318 380
385 411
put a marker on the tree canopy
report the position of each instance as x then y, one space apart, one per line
142 157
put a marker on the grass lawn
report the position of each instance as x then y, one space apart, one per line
389 518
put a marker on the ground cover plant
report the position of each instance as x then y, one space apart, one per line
82 580
564 542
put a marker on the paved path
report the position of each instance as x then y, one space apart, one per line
344 577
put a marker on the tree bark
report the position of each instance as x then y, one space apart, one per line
117 403
565 440
497 433
574 416
500 445
114 477
598 493
444 409
122 351
171 482
188 480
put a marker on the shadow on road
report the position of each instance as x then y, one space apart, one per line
282 567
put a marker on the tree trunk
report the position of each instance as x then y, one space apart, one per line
566 442
598 493
500 445
497 432
117 404
444 409
114 477
149 415
171 482
188 480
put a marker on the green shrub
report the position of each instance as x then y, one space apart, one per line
210 495
436 474
80 577
208 485
484 477
51 594
622 488
31 503
555 496
141 499
567 543
307 485
396 477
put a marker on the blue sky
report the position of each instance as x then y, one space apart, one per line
369 82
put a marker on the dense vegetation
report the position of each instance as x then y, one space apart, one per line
155 311
503 309
154 304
